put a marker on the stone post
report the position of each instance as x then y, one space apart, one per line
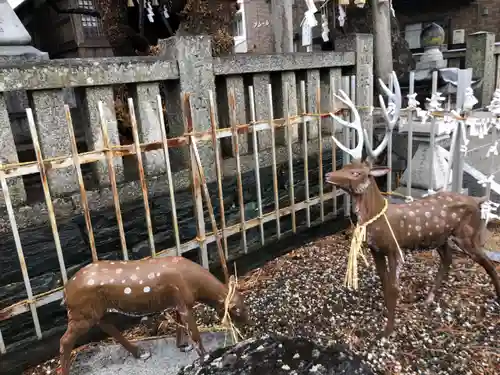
54 138
480 56
15 48
194 58
362 44
381 17
282 25
94 131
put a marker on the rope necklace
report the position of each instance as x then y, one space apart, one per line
358 237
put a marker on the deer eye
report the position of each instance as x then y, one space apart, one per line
355 174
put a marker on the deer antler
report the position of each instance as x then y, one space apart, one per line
391 116
356 152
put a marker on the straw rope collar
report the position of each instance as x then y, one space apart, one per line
358 237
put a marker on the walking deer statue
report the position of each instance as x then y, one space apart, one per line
140 288
445 221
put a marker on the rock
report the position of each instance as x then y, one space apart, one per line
273 354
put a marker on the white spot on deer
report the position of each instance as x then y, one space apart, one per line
122 262
112 281
119 271
91 282
112 263
151 276
418 228
419 235
158 274
462 210
402 223
449 199
133 277
432 208
74 278
404 217
426 224
127 290
92 273
164 265
84 272
409 234
147 289
137 268
140 282
411 213
399 211
430 233
123 281
427 214
102 283
417 211
443 213
409 226
454 215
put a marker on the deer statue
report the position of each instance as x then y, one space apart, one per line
445 221
140 288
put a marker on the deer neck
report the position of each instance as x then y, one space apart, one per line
369 203
211 291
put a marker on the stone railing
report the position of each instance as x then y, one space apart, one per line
81 83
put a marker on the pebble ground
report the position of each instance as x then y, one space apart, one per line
302 294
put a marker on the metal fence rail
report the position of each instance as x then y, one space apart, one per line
190 138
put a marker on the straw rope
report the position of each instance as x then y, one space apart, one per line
226 320
356 250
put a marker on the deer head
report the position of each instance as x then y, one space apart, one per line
356 176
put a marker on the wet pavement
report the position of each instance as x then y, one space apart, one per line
166 358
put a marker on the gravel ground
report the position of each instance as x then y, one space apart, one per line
302 294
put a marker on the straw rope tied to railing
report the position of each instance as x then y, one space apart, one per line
445 221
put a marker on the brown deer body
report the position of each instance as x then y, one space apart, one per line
140 288
446 221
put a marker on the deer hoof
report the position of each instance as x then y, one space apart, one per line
144 354
186 348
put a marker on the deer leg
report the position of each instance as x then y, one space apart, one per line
480 258
181 337
381 266
195 334
392 293
133 349
187 318
445 254
73 332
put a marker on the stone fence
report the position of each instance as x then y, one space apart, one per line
189 68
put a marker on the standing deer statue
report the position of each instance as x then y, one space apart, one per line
445 221
140 288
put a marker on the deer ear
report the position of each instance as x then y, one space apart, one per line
379 171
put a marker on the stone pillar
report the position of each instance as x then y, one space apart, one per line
194 57
15 48
149 126
282 25
94 131
54 138
8 153
362 44
480 56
